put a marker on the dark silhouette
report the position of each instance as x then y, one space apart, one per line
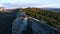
6 20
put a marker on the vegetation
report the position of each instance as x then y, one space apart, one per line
52 18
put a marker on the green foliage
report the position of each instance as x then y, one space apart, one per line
52 18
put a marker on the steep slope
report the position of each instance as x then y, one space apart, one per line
52 18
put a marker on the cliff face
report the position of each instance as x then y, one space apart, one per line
6 19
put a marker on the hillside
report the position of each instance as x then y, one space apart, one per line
52 18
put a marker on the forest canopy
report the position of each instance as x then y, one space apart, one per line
52 18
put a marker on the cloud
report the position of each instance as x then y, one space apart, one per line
8 5
49 6
29 3
20 5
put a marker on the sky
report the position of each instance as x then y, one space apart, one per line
30 3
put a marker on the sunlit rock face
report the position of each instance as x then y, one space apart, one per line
1 9
26 18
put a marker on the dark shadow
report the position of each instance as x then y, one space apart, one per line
6 20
